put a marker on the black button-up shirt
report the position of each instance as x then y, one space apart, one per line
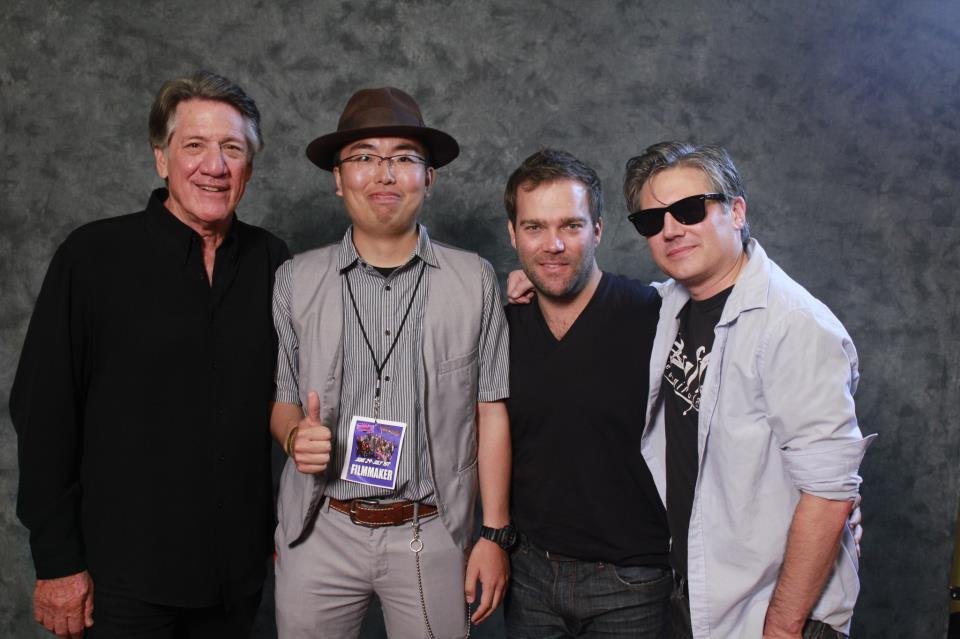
141 405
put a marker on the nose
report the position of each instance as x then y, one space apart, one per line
672 228
553 243
213 162
385 171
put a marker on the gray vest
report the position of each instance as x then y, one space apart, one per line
451 339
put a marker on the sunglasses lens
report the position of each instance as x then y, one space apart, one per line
647 223
689 210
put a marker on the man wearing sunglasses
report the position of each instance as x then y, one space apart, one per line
752 437
392 371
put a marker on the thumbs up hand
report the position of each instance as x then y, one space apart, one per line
309 441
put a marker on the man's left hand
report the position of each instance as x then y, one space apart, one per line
489 565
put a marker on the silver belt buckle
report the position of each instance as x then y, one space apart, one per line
354 503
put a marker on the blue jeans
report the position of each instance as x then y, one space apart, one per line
680 620
563 597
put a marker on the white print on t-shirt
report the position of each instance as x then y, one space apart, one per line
685 376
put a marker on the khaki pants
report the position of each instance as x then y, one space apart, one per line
324 585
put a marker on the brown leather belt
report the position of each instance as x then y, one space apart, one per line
374 514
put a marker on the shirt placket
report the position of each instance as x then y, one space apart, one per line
389 290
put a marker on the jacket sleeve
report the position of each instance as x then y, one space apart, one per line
46 408
809 369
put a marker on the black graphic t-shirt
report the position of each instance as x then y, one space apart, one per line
683 375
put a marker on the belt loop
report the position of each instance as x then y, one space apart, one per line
680 585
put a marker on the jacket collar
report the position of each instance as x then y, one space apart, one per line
347 254
749 292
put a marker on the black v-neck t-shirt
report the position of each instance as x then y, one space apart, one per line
577 407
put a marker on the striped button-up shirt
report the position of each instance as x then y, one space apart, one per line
381 302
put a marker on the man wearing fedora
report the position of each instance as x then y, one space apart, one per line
389 341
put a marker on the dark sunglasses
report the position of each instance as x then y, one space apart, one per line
689 210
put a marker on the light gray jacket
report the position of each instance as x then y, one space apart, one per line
776 419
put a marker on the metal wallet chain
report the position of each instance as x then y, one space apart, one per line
416 545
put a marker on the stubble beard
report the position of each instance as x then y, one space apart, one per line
568 288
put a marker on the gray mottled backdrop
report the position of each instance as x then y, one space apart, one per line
843 116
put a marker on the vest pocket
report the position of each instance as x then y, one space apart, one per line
456 363
456 385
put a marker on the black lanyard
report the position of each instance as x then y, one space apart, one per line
396 337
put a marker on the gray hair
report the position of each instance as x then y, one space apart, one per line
202 85
713 160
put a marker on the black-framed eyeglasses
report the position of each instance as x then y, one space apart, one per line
689 210
370 161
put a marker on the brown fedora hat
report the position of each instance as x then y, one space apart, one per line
381 112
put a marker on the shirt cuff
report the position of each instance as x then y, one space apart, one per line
493 395
60 558
287 397
828 472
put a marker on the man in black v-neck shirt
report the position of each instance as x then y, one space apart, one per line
593 556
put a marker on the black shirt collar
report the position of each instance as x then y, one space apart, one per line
178 239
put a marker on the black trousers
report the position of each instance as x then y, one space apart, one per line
119 616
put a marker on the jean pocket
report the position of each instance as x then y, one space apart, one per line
640 575
814 629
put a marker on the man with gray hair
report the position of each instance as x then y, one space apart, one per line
752 436
141 401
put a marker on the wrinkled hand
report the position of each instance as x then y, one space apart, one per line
311 447
854 523
490 565
519 288
64 605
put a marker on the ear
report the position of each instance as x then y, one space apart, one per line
597 231
248 172
160 157
739 212
513 234
430 178
336 179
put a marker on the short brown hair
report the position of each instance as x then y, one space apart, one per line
551 165
202 85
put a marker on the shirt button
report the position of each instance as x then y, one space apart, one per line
387 287
219 504
387 378
387 332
